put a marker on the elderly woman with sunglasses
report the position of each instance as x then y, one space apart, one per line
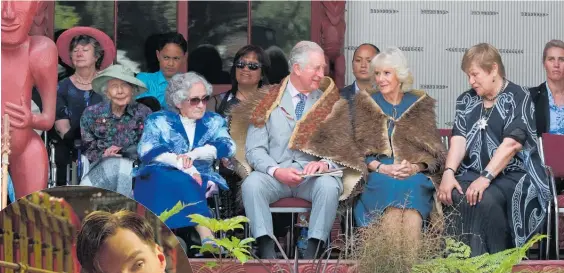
177 151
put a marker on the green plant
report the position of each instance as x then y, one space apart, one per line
459 260
233 246
176 209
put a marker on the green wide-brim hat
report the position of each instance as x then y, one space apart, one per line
117 71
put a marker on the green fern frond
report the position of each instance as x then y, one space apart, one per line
165 215
459 262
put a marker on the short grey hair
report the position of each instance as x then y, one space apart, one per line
179 87
84 40
300 53
393 57
551 44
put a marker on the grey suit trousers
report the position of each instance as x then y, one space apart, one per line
260 190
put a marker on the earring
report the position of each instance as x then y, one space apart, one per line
493 80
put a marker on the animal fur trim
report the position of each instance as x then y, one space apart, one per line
415 137
325 131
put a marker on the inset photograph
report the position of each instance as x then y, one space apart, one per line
79 229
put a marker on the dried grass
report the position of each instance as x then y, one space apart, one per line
380 249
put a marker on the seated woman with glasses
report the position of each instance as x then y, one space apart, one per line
395 128
494 180
248 74
177 151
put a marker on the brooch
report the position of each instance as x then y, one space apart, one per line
286 113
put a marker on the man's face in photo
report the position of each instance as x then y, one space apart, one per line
125 252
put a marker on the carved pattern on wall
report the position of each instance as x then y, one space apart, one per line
540 266
41 24
279 266
332 40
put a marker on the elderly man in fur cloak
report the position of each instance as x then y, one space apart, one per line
289 130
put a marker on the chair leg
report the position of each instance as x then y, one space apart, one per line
347 232
351 244
291 245
548 232
556 235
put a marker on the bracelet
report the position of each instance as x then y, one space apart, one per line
450 169
378 168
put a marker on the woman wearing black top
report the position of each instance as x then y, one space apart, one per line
248 74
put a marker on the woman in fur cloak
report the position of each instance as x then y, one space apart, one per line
395 129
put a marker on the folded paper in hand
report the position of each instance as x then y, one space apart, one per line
331 172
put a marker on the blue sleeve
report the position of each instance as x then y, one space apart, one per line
145 78
222 141
369 159
152 144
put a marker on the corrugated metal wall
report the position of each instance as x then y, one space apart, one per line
435 34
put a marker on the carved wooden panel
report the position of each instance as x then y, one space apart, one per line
539 266
274 266
43 20
328 20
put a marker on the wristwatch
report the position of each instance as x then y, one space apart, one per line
486 174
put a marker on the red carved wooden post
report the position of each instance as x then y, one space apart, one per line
328 21
27 62
42 20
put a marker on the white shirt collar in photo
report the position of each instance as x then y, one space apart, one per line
294 93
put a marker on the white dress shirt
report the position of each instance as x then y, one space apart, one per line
356 89
295 100
294 93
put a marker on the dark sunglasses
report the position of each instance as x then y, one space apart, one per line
196 101
250 66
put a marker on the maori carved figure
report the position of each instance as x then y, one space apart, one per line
40 26
333 28
27 61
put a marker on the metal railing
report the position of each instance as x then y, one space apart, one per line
23 268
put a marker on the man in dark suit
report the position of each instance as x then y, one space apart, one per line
361 70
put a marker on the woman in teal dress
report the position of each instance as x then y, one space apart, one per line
395 128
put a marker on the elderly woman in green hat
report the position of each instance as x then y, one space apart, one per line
111 130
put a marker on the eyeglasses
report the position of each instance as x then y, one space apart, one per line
196 101
249 65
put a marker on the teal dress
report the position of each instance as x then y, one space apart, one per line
382 191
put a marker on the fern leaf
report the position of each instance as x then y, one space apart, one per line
165 215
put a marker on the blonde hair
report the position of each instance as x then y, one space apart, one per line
393 57
551 44
485 56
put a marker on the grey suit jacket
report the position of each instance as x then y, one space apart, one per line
268 146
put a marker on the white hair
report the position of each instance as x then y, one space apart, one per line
392 57
179 87
300 53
